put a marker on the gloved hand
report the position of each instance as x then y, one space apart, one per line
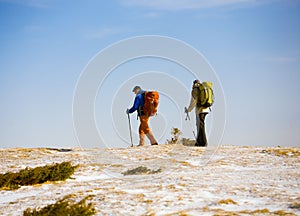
127 111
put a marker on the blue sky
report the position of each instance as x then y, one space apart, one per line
254 47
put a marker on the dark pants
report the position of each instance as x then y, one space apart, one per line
201 136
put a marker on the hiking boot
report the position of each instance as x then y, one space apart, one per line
198 145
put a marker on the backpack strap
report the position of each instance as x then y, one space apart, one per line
140 111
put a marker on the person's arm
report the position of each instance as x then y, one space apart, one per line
193 103
136 104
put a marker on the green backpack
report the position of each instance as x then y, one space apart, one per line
206 95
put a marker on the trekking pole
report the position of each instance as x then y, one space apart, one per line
130 129
187 114
188 118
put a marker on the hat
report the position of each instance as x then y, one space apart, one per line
196 81
135 88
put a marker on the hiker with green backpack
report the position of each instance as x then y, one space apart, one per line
202 98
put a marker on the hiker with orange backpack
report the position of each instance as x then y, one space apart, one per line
145 103
202 98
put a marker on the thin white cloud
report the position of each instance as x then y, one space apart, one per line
104 32
183 4
29 3
283 59
152 15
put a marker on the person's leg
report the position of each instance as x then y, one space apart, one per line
151 138
142 140
201 137
197 120
146 130
142 131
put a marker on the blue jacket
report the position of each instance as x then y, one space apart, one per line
138 102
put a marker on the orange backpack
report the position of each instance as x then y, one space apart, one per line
150 103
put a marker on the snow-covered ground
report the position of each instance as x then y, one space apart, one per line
193 181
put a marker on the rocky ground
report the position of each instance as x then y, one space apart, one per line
230 180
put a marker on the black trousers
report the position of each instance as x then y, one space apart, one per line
201 136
